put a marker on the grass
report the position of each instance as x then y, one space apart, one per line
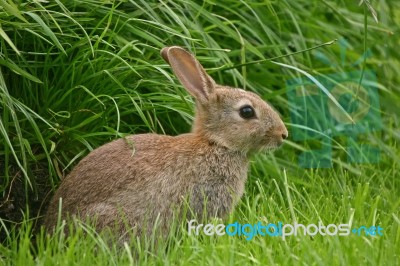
330 196
77 74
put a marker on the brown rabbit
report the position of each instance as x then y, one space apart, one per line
142 178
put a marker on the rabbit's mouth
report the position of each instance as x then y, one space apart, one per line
274 139
269 145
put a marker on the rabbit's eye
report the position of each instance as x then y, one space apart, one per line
247 112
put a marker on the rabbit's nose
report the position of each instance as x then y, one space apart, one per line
282 133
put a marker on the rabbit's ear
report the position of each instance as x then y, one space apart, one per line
189 72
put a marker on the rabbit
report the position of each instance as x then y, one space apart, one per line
141 179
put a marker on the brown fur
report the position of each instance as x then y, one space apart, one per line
142 177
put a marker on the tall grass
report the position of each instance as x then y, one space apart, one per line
76 74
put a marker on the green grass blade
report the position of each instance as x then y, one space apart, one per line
47 30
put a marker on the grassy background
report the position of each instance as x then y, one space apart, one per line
77 74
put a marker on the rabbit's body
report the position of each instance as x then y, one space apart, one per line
172 170
141 178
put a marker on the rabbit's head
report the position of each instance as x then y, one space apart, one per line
230 117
